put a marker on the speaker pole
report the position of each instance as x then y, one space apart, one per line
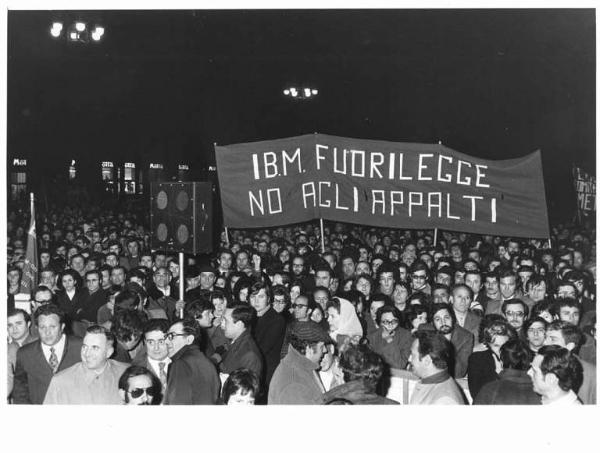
181 280
226 237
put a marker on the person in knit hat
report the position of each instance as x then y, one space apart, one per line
296 379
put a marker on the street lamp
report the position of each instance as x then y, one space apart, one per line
302 94
77 31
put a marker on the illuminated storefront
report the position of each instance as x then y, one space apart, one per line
183 172
108 177
18 179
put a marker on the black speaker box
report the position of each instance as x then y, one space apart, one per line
181 216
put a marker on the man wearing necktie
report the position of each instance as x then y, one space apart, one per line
37 362
156 359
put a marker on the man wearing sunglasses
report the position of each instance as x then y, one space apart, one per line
139 387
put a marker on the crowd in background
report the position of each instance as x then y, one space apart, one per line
270 318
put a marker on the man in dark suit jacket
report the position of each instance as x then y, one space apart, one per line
243 351
461 299
269 330
192 378
37 362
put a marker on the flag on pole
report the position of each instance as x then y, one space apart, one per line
30 269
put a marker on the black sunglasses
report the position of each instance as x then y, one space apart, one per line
136 393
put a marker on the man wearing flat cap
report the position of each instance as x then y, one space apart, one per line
200 280
296 379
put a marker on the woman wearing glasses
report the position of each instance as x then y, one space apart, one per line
391 341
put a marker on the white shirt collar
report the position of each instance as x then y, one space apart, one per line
58 348
567 399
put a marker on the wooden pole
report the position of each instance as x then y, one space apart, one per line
181 277
322 236
227 237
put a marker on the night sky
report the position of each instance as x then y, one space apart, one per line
167 85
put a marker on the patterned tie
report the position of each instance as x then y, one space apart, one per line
53 360
162 374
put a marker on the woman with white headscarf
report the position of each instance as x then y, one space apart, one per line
344 325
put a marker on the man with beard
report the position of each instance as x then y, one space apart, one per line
516 313
444 321
139 387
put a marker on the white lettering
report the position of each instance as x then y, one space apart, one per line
375 164
431 204
423 167
258 202
327 204
354 153
376 200
307 194
270 199
448 215
467 180
337 199
318 153
473 198
393 193
286 159
270 164
400 165
448 177
255 166
412 203
480 174
335 161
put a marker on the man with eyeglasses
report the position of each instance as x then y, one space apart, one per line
418 278
156 357
193 378
301 308
139 387
516 313
161 304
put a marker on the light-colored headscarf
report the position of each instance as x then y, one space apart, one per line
349 324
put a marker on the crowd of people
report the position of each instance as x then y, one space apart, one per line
271 318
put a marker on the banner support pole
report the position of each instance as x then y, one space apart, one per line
435 234
181 280
322 235
550 243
